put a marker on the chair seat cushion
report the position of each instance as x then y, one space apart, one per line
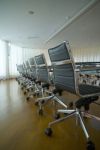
85 89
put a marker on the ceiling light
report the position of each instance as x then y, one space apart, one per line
31 12
33 37
67 17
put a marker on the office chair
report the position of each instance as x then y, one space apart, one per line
30 83
22 78
66 78
46 81
34 79
26 78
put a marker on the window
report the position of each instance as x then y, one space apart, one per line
3 62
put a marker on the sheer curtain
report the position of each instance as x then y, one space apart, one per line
10 55
3 62
86 55
15 57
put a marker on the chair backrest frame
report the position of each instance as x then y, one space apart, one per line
33 69
68 60
42 68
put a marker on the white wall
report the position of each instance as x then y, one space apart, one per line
86 54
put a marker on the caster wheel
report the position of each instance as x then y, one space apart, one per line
40 112
31 89
50 94
37 94
27 98
42 102
71 105
24 93
36 103
57 116
27 90
90 145
34 94
48 131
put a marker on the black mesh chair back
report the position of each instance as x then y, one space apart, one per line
42 68
27 64
28 71
32 62
33 70
20 69
63 67
24 70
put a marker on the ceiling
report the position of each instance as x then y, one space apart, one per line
83 32
43 23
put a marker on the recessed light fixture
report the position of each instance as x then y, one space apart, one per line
33 37
67 17
31 12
